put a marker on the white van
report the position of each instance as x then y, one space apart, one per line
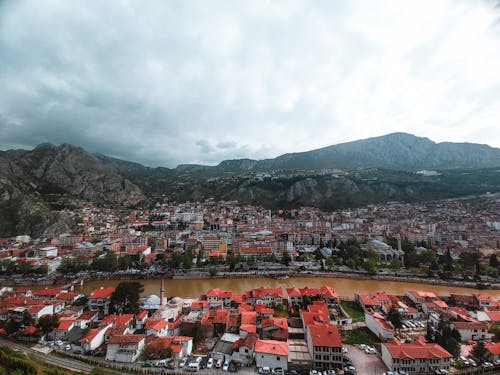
193 367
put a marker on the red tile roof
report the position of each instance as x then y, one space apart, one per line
102 293
272 347
417 349
325 335
493 348
126 339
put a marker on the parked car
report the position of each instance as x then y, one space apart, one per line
264 370
183 362
278 371
218 364
225 367
210 363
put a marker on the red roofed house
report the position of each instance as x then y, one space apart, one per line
125 348
61 332
372 299
140 319
419 297
274 329
296 295
269 297
94 338
100 299
473 330
417 357
483 300
493 351
156 327
379 326
325 346
217 297
272 354
181 345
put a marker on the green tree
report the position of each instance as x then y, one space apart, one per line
329 263
396 264
212 272
449 338
47 323
12 326
125 298
287 258
27 319
394 316
124 262
493 260
479 350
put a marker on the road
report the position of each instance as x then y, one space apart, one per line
70 364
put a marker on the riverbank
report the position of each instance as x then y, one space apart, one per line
37 283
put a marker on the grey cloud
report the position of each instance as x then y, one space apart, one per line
164 83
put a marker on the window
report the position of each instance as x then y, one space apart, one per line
278 358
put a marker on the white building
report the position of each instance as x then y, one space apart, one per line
272 354
49 251
125 348
417 357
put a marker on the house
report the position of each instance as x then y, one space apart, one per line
325 346
270 297
484 301
417 357
274 329
125 348
181 345
372 300
271 353
419 297
156 327
379 326
37 311
326 293
140 319
493 351
218 297
473 330
100 299
246 347
93 339
62 331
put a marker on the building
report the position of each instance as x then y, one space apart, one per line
473 330
272 354
46 252
376 323
125 348
325 346
100 299
269 297
417 357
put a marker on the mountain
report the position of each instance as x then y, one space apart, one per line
33 182
398 151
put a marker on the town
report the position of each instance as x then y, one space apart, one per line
291 331
294 329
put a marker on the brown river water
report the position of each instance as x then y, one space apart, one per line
344 287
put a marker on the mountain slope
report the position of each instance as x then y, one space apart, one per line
399 151
29 179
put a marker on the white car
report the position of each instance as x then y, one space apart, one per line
210 363
264 370
344 350
226 366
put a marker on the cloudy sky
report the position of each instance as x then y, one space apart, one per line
169 82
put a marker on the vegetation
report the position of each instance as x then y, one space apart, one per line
125 298
14 362
354 310
359 336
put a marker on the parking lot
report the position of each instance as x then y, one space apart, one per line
366 364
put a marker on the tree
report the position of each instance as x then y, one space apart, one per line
212 272
124 262
125 298
27 319
12 326
47 323
286 259
396 264
479 350
449 338
493 261
394 316
329 263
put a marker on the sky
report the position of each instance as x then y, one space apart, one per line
170 82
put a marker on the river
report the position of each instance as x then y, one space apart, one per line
344 287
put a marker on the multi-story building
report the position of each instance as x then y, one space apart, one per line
325 346
417 357
100 299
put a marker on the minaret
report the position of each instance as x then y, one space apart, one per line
162 292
